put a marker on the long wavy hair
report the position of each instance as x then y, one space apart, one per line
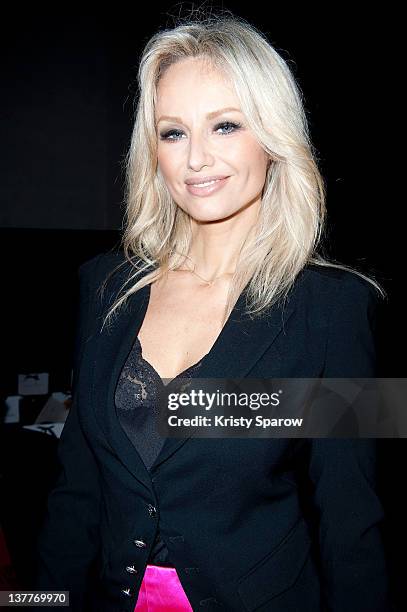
157 232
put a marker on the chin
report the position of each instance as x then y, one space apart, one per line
208 218
202 209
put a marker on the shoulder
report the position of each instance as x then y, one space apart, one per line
105 277
348 305
335 285
109 268
101 265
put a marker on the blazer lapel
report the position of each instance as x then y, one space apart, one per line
239 346
113 346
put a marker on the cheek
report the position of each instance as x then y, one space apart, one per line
166 161
253 165
259 159
247 152
170 172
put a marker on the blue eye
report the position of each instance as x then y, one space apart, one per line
225 124
235 126
167 135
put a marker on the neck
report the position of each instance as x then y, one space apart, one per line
215 247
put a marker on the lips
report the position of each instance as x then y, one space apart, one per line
206 183
206 190
204 179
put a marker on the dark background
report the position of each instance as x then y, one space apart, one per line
69 79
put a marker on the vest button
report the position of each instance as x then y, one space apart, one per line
140 543
152 510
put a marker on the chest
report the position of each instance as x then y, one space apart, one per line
180 327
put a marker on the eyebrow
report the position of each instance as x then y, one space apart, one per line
211 115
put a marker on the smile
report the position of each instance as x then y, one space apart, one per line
205 184
208 188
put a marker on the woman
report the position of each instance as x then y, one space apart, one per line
219 277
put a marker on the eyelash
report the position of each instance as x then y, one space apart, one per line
236 126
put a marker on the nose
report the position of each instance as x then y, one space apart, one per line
199 153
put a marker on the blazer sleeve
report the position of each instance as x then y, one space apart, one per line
68 541
343 470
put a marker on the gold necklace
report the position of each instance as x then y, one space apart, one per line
209 282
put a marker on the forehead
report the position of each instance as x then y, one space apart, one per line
193 80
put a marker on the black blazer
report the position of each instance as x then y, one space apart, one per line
272 525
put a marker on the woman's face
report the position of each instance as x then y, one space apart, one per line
192 144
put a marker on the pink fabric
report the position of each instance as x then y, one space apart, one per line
161 591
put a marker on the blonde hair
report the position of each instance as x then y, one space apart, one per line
157 232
